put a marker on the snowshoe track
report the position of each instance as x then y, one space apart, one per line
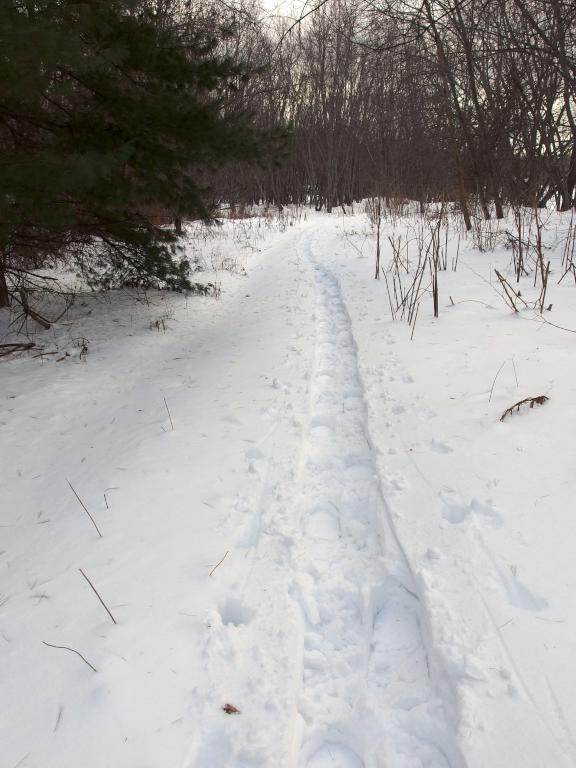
367 699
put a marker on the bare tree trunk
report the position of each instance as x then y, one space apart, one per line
4 292
568 199
378 216
498 205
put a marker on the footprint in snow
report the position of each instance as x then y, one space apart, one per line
230 419
517 593
334 756
395 483
323 420
254 453
322 524
457 512
235 613
439 446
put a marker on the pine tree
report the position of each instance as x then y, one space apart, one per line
106 118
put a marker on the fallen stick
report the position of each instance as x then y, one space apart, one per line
169 415
532 401
8 349
58 719
84 508
65 648
219 563
98 596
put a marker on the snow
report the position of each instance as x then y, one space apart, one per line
306 516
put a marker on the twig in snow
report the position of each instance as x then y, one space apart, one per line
511 296
98 596
504 625
65 648
219 563
414 323
532 401
547 322
22 759
58 719
410 592
470 301
106 501
8 349
515 372
169 416
84 508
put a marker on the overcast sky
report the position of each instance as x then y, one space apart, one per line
292 8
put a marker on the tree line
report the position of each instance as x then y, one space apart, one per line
472 101
118 117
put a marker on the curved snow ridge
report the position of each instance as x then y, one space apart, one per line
367 699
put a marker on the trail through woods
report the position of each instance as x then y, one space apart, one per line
321 557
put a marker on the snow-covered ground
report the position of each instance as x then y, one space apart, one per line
321 546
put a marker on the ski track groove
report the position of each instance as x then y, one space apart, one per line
367 699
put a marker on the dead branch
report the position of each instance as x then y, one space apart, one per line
29 312
531 401
8 349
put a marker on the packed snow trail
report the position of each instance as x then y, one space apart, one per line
322 637
367 697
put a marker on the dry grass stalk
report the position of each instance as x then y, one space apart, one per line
84 507
72 650
108 611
